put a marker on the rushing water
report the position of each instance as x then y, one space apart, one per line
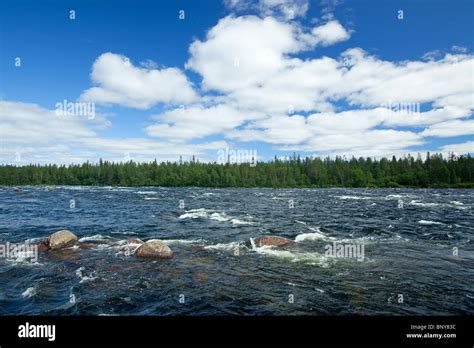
408 265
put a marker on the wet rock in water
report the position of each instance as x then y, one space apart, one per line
202 260
64 254
42 247
273 241
87 246
61 239
17 189
154 249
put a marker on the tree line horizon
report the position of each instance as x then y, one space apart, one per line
435 171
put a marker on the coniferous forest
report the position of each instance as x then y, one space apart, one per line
434 171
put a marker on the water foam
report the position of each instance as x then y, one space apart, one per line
423 204
311 237
293 256
96 237
194 214
240 222
30 292
202 213
315 229
219 217
429 222
394 196
373 240
229 247
127 233
316 235
182 241
353 197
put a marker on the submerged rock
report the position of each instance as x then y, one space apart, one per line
87 246
64 254
61 239
154 249
42 246
273 241
200 277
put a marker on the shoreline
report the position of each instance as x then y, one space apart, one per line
53 186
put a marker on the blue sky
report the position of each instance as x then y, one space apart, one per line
276 77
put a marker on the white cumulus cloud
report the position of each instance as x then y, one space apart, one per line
120 82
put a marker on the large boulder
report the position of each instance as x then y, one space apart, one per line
154 249
61 239
272 241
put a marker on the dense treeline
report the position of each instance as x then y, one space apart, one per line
435 171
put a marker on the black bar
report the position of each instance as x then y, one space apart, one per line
290 331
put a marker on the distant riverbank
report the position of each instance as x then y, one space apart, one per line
408 172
